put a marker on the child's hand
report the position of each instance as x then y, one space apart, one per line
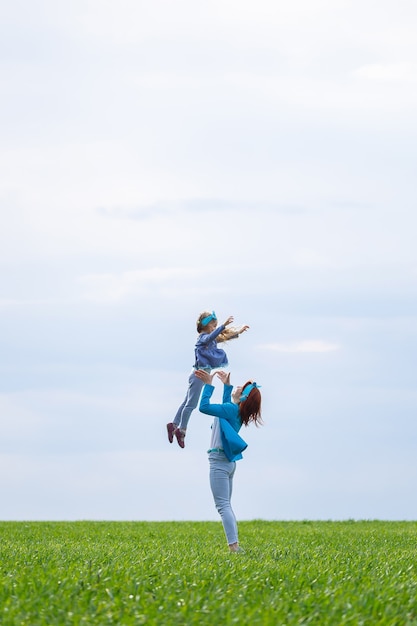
224 377
204 376
229 320
242 330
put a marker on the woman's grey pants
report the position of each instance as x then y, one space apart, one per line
221 482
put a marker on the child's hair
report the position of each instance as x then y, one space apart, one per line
250 408
201 317
228 333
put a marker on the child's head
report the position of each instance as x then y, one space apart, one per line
206 322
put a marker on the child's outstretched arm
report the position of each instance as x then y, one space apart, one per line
207 337
230 319
231 333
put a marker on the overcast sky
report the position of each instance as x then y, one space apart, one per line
161 158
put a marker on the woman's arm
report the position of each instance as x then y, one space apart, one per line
217 410
227 394
228 388
226 410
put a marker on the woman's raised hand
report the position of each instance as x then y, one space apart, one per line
224 377
242 330
229 320
204 376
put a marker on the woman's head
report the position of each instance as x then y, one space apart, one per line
207 322
248 398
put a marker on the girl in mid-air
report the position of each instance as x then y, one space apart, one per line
208 356
241 406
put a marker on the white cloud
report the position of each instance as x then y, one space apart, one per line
114 286
388 72
18 420
312 345
130 22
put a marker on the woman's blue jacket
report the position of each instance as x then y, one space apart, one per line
229 419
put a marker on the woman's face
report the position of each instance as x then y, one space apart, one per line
211 326
237 392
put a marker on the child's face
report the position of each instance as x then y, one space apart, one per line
211 326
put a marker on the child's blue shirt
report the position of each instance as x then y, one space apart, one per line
207 354
229 419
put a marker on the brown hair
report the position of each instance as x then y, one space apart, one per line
250 409
202 315
228 333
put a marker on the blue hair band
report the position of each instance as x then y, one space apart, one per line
247 391
208 319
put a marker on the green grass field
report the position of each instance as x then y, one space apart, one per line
130 573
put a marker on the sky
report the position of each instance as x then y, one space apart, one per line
159 159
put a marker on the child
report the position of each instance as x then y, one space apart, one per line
241 406
207 357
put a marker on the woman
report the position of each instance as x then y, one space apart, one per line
241 406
